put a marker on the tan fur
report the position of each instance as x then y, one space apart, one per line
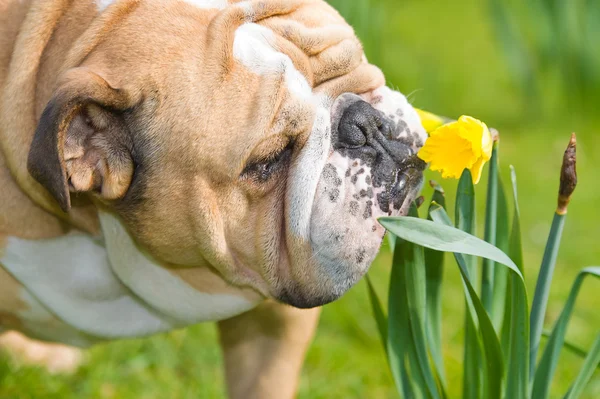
205 280
56 358
10 301
264 349
180 75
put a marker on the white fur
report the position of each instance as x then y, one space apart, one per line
40 323
305 174
253 48
390 101
71 276
159 288
97 294
219 4
103 4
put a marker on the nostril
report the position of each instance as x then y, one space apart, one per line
386 129
359 123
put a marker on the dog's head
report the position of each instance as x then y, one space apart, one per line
255 140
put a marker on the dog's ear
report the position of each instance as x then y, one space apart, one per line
81 143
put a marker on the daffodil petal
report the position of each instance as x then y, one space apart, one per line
463 144
447 152
486 144
473 130
429 121
476 169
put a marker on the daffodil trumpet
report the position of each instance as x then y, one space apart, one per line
455 146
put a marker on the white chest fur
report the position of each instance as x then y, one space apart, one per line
109 290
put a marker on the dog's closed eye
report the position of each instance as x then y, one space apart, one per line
261 170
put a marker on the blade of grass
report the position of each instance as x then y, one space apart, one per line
472 357
414 272
491 208
587 370
547 366
490 354
542 287
434 268
517 376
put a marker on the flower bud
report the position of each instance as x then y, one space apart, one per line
568 176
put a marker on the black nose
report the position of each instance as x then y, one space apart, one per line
364 132
360 123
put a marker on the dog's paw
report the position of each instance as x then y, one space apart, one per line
55 358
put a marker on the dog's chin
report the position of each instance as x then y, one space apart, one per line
343 249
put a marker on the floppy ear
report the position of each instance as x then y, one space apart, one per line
81 143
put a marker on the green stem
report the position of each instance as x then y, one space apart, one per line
542 289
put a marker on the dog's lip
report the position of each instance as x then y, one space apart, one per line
408 200
406 187
413 162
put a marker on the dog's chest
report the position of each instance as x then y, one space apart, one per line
106 290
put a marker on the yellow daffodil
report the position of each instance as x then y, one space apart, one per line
430 121
456 146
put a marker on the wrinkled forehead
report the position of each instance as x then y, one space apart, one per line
276 62
258 65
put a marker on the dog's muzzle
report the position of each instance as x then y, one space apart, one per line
374 139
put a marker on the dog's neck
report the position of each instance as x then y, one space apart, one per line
111 289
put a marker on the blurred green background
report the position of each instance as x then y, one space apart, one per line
530 69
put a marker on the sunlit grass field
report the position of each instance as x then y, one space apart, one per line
444 55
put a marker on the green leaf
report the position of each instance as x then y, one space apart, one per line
517 376
464 214
516 253
491 210
490 353
500 273
473 355
505 333
398 336
547 366
414 272
515 245
378 314
542 288
445 238
570 346
587 370
434 268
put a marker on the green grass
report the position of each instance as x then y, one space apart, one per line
446 56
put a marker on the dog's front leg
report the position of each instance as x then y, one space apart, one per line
264 350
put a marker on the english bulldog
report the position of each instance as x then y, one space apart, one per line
165 163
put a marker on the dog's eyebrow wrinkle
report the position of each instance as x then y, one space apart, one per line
253 47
